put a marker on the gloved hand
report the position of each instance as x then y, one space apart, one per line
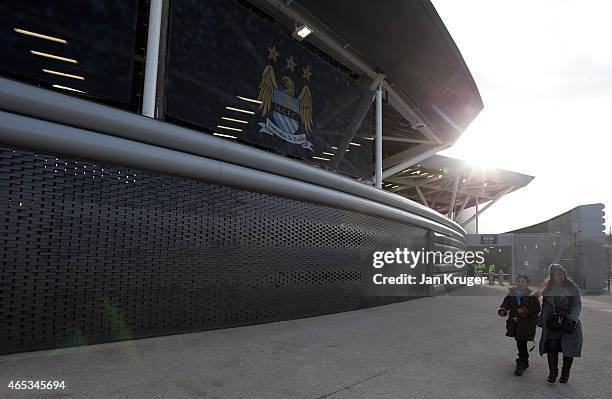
502 312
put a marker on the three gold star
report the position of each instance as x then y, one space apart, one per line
272 53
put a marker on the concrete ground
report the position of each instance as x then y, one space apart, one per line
442 347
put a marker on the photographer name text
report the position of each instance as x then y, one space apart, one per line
408 279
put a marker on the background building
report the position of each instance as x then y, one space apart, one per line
609 247
574 239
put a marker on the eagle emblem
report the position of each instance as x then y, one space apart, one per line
287 111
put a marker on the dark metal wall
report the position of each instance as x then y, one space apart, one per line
584 253
527 253
93 252
536 251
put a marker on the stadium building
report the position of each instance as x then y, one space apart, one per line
175 166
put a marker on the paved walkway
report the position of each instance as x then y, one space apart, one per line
442 347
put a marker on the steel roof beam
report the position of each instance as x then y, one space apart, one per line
451 207
411 157
423 200
494 200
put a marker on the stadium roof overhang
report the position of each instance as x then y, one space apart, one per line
430 94
450 185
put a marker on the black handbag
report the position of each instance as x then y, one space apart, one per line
510 326
559 321
511 329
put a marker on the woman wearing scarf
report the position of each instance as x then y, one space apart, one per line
524 307
560 322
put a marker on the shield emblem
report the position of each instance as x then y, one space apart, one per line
286 110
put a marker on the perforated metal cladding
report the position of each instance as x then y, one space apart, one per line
446 244
94 252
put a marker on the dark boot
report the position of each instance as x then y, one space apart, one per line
523 357
521 365
553 367
565 370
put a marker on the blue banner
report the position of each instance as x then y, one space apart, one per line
233 73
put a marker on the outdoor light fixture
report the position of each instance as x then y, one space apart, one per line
225 135
69 89
55 57
39 35
249 100
66 75
301 32
229 128
244 111
234 120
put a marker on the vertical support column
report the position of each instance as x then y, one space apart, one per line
458 213
160 94
514 255
152 59
430 247
476 214
378 154
451 207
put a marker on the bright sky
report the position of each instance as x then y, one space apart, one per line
544 71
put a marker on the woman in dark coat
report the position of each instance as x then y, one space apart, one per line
560 295
524 307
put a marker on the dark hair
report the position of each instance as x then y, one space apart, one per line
523 276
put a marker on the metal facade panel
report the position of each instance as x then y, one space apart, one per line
95 252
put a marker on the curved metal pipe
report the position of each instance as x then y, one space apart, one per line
45 104
25 132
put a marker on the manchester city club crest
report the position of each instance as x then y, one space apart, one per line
285 112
